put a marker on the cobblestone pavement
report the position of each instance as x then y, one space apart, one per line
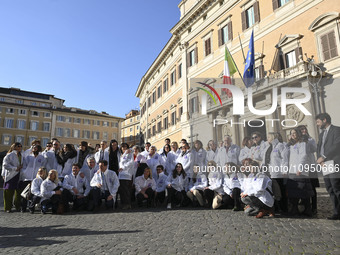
161 231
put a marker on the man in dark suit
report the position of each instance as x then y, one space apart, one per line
329 150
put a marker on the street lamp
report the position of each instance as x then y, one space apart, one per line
314 77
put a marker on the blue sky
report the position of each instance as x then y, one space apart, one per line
92 53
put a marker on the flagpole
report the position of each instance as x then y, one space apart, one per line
235 65
244 58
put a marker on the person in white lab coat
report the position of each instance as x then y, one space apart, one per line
177 186
104 185
76 189
90 168
146 151
298 184
228 153
160 185
51 157
32 163
196 187
232 186
36 189
214 191
29 151
126 172
145 188
66 158
199 154
186 159
153 160
258 146
102 153
245 152
212 151
168 160
257 194
51 189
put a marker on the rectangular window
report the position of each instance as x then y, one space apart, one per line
20 139
328 46
114 136
34 125
67 132
159 126
47 115
21 124
76 133
130 129
173 77
283 2
95 135
257 73
250 16
290 59
165 85
154 130
2 99
46 126
105 123
87 122
45 141
180 71
173 118
165 123
43 105
68 119
33 103
77 120
207 47
59 131
180 111
22 112
6 139
19 101
105 136
154 97
9 110
193 105
159 91
149 132
60 118
9 123
86 134
225 34
35 114
192 58
131 120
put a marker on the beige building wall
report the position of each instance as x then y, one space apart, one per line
130 131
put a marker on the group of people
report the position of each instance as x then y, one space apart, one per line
261 178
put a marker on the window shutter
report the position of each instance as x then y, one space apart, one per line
230 31
298 52
244 20
257 12
275 4
283 62
206 47
197 105
196 55
261 71
332 45
188 60
190 105
175 75
220 37
325 47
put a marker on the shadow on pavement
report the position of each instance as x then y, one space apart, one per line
38 236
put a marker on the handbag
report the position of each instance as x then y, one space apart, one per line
26 193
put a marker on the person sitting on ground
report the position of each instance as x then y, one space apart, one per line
198 183
51 189
214 192
232 186
160 185
177 186
145 188
36 189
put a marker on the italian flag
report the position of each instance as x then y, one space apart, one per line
229 69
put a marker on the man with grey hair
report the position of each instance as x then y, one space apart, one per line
102 153
90 168
228 153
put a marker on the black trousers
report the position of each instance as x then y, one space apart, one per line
96 196
78 203
283 203
160 197
125 192
31 203
234 201
209 195
175 197
22 185
151 196
51 202
332 183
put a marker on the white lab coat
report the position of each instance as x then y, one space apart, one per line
51 162
232 181
141 183
299 158
212 155
31 167
200 183
112 181
161 182
169 162
47 189
10 165
127 164
200 158
36 186
215 182
187 162
89 172
81 184
105 155
279 159
179 183
153 162
257 151
257 186
68 166
232 155
245 152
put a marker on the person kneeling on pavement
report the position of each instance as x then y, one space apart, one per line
76 189
104 185
36 189
177 187
160 185
51 189
145 188
196 186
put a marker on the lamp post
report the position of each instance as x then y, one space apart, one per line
314 77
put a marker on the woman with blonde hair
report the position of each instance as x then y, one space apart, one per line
36 189
145 188
51 192
11 167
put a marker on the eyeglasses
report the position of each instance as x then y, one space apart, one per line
54 144
48 145
254 137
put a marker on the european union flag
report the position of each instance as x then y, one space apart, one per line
248 74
